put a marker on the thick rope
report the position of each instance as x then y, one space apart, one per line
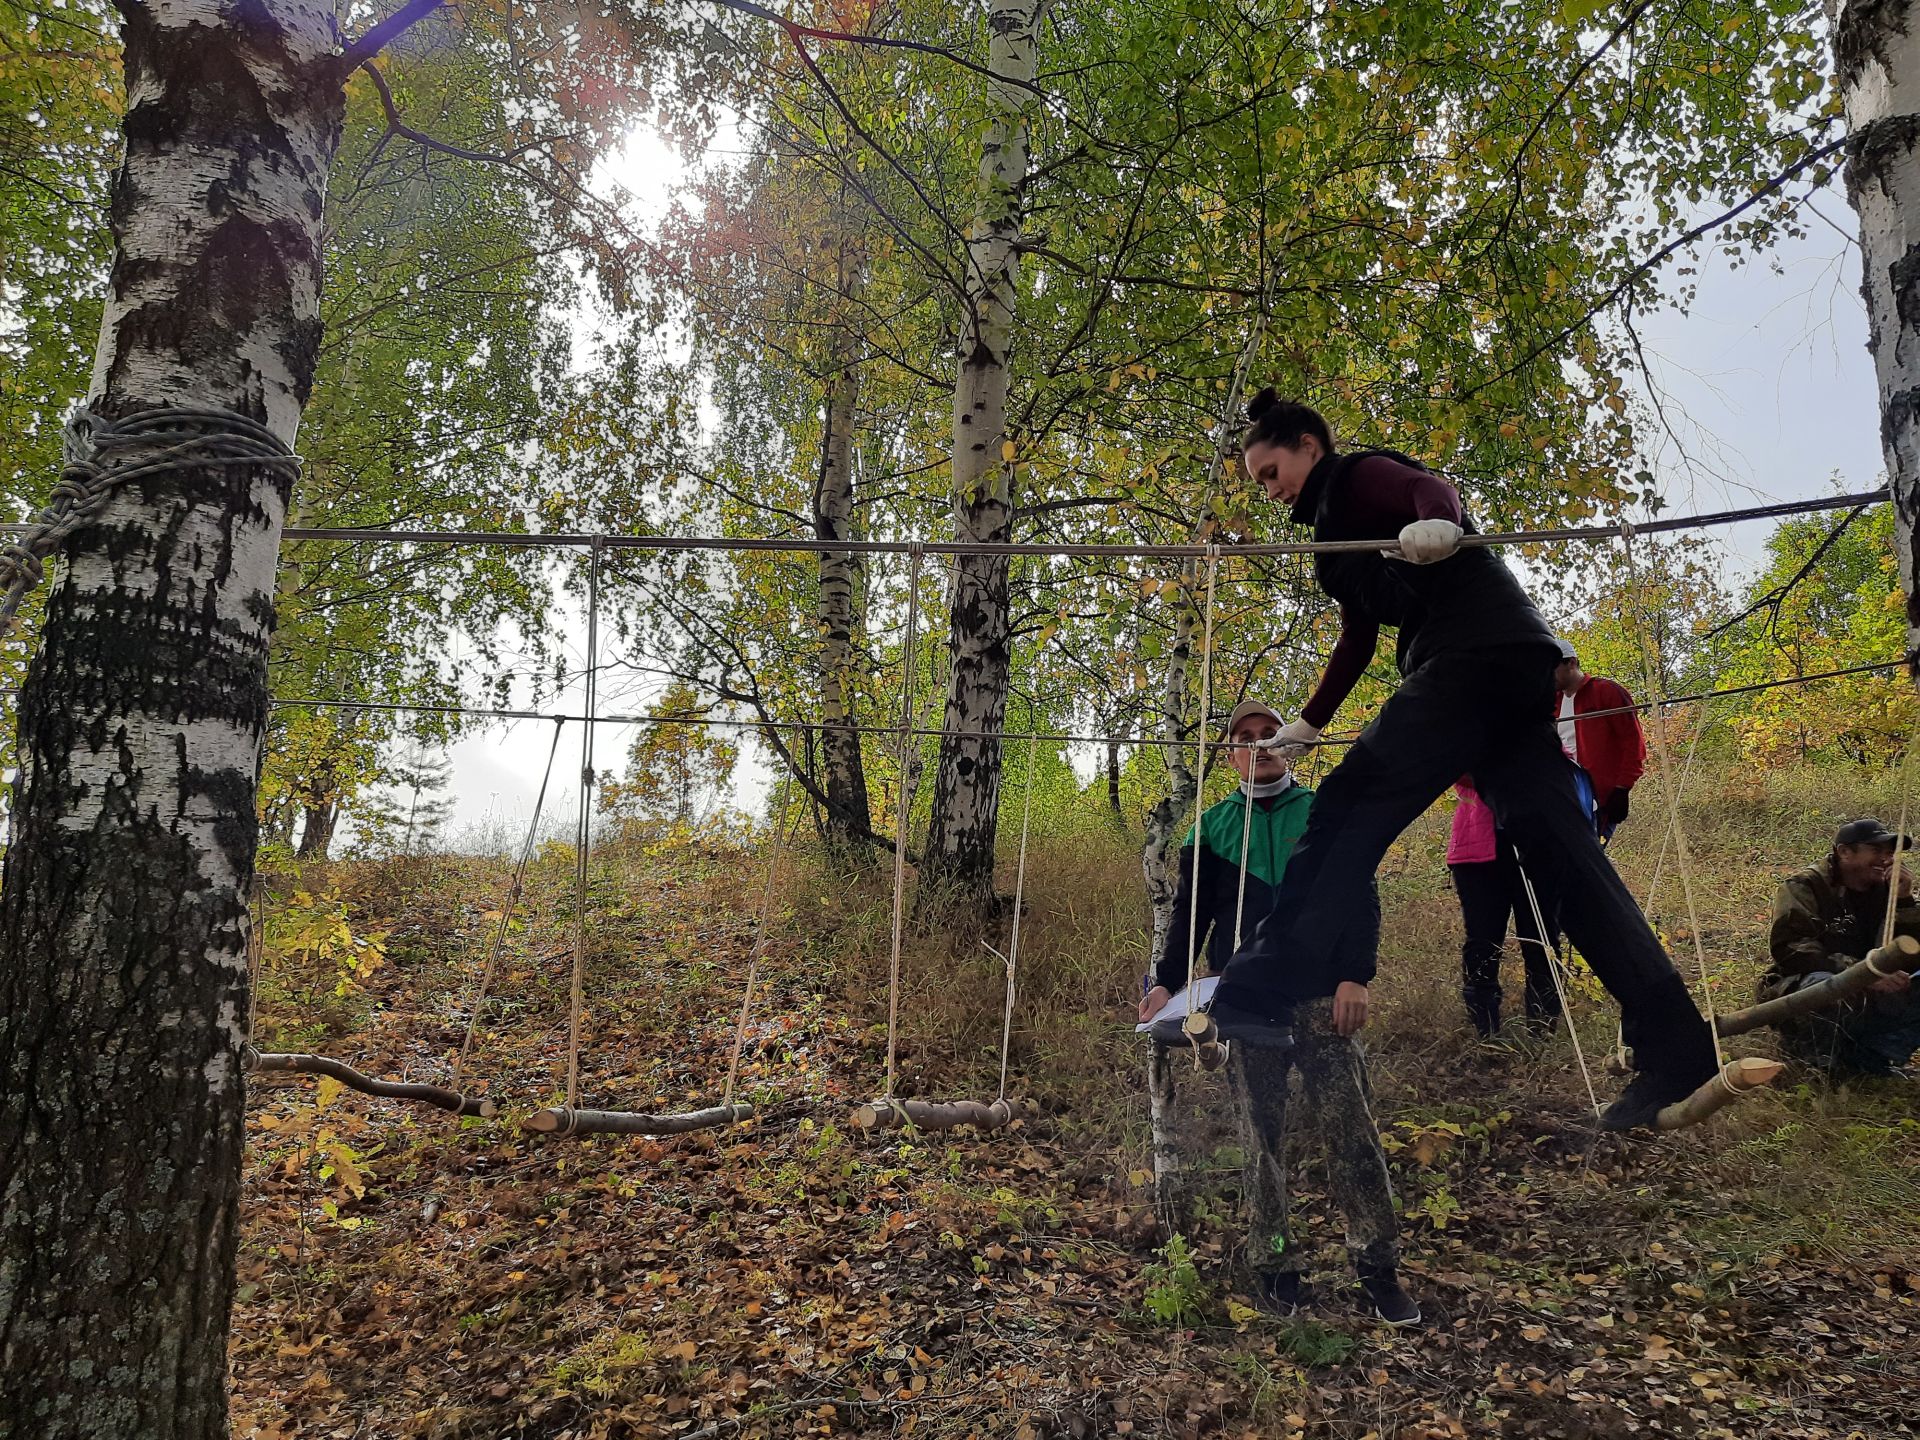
576 995
1013 943
908 663
1559 982
1682 860
760 937
1312 747
498 945
102 455
520 539
1246 838
1893 876
1200 765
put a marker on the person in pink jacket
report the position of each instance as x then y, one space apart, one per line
1486 877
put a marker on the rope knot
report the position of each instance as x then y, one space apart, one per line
99 455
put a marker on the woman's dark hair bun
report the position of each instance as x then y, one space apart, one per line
1262 403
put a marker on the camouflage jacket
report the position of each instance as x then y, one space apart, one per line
1819 926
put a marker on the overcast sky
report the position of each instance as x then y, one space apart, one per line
1766 384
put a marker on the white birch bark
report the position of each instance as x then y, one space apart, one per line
123 919
958 865
842 576
1876 46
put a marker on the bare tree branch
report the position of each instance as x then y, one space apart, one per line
385 32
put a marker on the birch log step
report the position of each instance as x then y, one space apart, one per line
938 1114
1734 1079
565 1120
1902 956
434 1095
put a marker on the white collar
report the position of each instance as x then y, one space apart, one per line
1267 788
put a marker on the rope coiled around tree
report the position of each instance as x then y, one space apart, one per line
101 455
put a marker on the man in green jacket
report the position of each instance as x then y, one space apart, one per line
1825 918
1212 912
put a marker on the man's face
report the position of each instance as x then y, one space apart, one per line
1259 766
1568 675
1863 867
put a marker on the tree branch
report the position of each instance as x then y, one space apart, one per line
385 32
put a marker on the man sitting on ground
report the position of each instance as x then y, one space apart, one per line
1333 1071
1825 918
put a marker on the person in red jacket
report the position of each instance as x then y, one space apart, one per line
1610 748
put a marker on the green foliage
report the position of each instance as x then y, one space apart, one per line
1846 611
1314 1344
312 947
1175 1293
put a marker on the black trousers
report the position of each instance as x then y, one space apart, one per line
1491 892
1485 713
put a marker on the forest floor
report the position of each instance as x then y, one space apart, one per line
404 1273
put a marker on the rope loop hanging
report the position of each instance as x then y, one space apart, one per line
1669 789
101 455
1012 956
485 986
760 935
1200 777
909 664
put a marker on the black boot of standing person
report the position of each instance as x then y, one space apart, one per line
1476 698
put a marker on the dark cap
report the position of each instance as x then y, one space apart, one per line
1869 831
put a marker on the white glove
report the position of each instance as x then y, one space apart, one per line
1292 739
1425 541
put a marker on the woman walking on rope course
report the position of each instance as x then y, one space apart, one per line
1477 662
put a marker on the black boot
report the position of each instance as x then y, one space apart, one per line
1480 985
1391 1302
1280 1292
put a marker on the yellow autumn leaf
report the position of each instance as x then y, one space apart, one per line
1008 450
1240 1314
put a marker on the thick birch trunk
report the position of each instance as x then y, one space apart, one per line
843 771
958 866
1160 857
1876 46
123 917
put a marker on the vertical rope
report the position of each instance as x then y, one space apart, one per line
506 911
1200 760
1559 984
1246 837
1893 875
760 937
576 1002
256 949
1019 894
908 665
1682 861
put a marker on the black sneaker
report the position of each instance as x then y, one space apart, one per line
1251 1028
1647 1094
1391 1302
1279 1292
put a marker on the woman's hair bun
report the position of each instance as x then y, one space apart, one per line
1262 403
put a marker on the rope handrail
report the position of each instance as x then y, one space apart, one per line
934 732
573 540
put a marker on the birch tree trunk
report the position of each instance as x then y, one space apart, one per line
842 618
123 918
1876 47
1160 856
957 870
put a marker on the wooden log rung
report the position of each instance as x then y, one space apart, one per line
1902 956
565 1120
1735 1079
434 1095
938 1115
